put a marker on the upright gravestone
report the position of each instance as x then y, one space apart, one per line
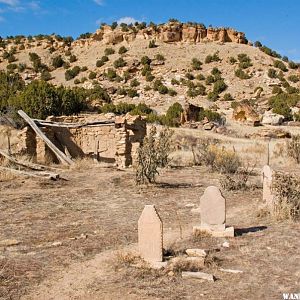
150 235
213 213
268 197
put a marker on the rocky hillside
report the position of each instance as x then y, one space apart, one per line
158 65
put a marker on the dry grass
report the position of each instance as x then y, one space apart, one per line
84 163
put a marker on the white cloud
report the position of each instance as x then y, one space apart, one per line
10 2
34 5
127 20
99 2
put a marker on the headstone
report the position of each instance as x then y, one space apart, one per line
212 209
150 235
213 213
268 197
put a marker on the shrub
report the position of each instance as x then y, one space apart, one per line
73 58
258 44
172 117
99 63
200 77
232 60
189 76
152 154
174 81
215 71
293 65
212 116
56 100
77 81
104 58
196 64
293 148
219 86
285 59
46 76
132 93
145 60
286 189
172 92
227 97
282 102
149 76
269 51
92 75
241 74
162 89
212 96
210 79
141 109
72 73
276 90
122 50
22 67
280 65
272 73
211 58
119 63
11 67
134 83
292 90
293 78
160 57
68 53
109 51
57 62
244 61
152 44
196 91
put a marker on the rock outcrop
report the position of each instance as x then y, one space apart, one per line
171 33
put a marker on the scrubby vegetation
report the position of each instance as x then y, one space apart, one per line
153 154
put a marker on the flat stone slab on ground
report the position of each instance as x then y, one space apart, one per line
196 252
228 232
231 271
198 275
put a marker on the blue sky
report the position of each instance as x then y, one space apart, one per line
275 23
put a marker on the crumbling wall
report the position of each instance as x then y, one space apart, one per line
116 142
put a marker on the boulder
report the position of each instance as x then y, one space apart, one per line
270 118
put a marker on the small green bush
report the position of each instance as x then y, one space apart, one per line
92 75
189 76
232 60
212 58
73 58
241 74
134 83
272 73
122 50
196 64
227 97
57 62
119 63
293 78
109 51
280 65
200 77
293 65
46 76
174 81
145 60
152 44
160 57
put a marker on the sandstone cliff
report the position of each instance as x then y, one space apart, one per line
171 33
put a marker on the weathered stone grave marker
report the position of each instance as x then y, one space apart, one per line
268 197
150 235
213 214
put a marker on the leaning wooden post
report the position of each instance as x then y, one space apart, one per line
60 155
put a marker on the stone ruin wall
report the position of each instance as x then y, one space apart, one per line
109 143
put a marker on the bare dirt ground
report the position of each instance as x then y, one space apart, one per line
69 232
